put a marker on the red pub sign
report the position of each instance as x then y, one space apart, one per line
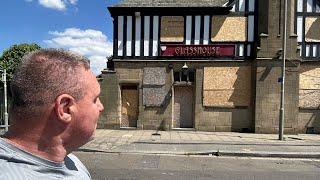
212 50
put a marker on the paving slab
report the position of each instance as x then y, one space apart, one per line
204 143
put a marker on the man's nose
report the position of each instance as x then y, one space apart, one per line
101 106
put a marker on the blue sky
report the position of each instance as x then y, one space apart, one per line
83 26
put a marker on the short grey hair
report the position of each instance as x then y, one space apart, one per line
42 76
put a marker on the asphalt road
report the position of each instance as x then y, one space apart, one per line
139 166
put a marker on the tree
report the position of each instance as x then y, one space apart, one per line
11 58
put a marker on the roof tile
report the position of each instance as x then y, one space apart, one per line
172 3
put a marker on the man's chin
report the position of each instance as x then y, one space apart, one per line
89 138
92 136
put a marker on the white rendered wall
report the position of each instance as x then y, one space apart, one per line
120 36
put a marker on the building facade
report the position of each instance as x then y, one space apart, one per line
212 66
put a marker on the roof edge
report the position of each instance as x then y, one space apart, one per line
217 10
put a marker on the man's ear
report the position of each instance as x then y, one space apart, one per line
64 105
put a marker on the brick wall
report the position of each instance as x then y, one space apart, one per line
205 118
110 98
268 97
271 41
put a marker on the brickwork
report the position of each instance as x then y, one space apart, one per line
260 111
209 119
267 101
268 97
309 121
132 73
110 98
129 74
271 40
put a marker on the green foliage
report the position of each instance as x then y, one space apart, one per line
11 57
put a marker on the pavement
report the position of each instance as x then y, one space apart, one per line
204 143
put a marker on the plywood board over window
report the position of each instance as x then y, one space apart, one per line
130 103
227 86
172 29
309 83
225 28
312 29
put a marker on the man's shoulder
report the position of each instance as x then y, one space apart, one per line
9 172
6 153
16 164
73 163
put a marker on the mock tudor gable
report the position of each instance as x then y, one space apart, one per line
211 65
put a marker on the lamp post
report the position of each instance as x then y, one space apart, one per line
283 69
4 80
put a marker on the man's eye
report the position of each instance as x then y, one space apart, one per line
96 99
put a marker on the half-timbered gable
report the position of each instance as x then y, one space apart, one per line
213 65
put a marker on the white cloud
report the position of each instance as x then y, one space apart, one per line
56 4
73 2
53 4
90 43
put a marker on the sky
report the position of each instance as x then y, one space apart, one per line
82 26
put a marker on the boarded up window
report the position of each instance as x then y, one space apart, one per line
312 31
172 29
154 92
225 28
227 86
154 76
154 96
309 91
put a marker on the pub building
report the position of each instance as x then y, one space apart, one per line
212 65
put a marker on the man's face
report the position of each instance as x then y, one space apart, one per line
88 109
